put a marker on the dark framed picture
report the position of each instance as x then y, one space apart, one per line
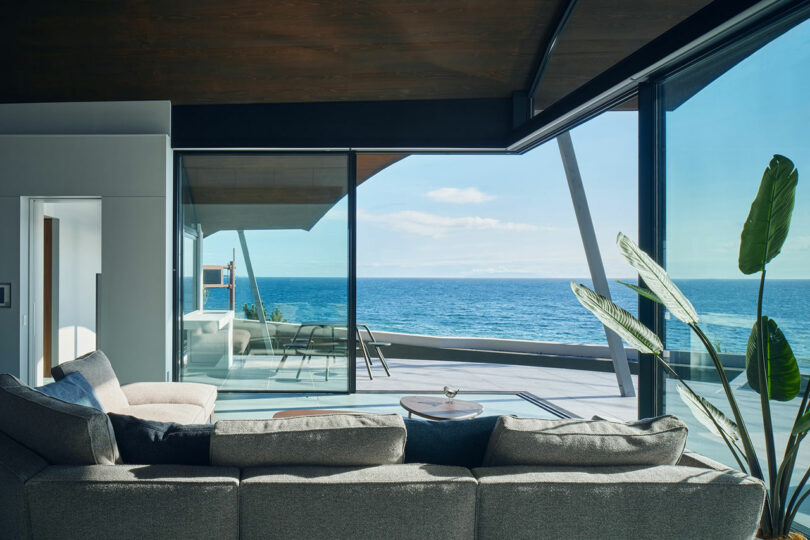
5 295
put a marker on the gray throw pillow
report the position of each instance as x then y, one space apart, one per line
98 371
335 440
579 442
63 433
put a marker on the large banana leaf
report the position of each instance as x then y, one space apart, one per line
657 280
768 220
784 379
619 320
702 408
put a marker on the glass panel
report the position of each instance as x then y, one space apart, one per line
266 231
725 119
485 246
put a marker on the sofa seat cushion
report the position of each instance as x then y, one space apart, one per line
578 442
148 442
74 388
460 443
202 395
96 368
335 440
387 501
59 431
179 413
134 501
666 502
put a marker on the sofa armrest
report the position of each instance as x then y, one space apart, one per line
693 459
134 501
17 465
146 393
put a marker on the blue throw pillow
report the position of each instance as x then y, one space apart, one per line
146 442
458 442
74 389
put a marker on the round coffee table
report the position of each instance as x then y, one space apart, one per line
440 408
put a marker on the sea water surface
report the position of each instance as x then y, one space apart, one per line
529 309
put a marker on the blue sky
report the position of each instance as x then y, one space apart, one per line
479 216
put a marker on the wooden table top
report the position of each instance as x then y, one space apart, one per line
441 408
291 413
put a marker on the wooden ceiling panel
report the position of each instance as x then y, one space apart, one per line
599 34
252 51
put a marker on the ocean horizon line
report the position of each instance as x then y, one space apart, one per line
587 278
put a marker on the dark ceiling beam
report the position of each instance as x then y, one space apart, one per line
560 21
267 195
464 124
701 31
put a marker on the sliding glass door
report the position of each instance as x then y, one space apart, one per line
264 256
724 119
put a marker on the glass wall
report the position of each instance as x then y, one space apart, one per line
485 246
265 272
725 119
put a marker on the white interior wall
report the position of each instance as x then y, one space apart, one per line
36 290
132 175
79 262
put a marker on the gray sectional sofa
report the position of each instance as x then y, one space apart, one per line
343 476
62 475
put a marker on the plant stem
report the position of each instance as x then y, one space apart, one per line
786 523
788 474
765 401
750 452
730 443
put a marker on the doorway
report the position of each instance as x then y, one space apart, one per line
65 267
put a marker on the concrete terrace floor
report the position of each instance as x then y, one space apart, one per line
583 393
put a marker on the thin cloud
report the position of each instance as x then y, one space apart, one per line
469 195
435 226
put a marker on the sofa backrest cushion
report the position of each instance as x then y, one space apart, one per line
333 440
461 443
98 371
579 442
147 442
61 432
74 388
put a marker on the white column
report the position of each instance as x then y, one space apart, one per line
254 287
597 269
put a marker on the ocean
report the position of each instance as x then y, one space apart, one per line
531 309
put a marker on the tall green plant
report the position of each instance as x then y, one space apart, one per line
771 367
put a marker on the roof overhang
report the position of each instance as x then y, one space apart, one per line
457 75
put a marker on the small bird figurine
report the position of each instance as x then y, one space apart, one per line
450 392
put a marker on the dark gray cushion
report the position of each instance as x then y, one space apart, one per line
578 442
98 371
148 442
60 432
461 443
335 440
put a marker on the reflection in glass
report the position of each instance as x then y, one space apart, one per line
725 119
265 271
